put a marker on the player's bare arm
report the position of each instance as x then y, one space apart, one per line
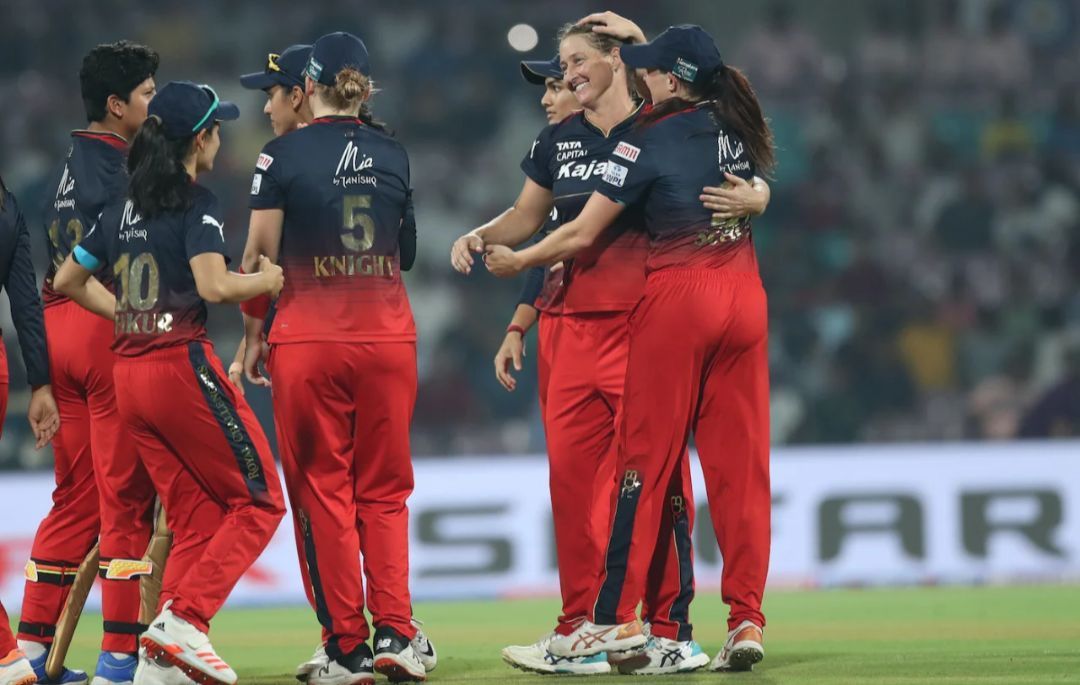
513 227
43 415
264 237
255 351
737 197
217 284
512 350
561 244
78 283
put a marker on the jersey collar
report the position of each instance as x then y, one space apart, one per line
109 138
617 128
337 119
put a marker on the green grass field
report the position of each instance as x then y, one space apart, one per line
998 635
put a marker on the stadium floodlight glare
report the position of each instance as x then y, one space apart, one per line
522 37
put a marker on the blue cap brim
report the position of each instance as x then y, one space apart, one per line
258 81
539 70
227 111
640 56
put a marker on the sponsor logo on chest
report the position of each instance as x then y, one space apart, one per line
567 150
581 170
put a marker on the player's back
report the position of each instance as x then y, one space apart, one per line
344 188
91 176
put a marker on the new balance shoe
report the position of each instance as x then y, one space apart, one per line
186 647
354 668
68 676
395 658
423 647
743 649
537 659
317 661
158 671
112 670
15 669
590 638
663 657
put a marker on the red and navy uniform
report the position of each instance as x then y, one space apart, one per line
205 451
698 361
343 360
101 487
583 346
17 278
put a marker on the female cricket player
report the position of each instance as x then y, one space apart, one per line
206 454
17 277
697 340
331 201
583 335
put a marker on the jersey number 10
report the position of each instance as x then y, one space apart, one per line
137 276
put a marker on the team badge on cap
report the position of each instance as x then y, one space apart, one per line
687 71
314 69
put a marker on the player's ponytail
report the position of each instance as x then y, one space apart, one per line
158 180
733 101
350 93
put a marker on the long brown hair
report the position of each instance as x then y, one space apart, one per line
735 104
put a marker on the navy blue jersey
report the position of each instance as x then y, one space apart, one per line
157 303
18 279
569 158
662 168
344 188
92 175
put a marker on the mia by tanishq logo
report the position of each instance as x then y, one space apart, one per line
67 184
350 166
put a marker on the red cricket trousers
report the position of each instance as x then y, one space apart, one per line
343 412
101 487
698 362
581 369
211 465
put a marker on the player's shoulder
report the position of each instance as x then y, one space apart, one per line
202 198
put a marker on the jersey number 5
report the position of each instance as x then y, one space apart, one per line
355 217
137 276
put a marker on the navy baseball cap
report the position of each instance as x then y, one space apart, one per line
285 69
185 108
334 52
686 51
537 70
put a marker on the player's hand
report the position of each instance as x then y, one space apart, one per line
461 252
511 351
43 415
236 376
735 198
502 261
255 353
617 26
275 277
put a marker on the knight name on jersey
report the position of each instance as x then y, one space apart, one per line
582 170
354 265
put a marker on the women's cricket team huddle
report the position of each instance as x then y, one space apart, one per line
652 324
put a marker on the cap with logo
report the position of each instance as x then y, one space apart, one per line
538 70
185 108
285 69
687 51
334 52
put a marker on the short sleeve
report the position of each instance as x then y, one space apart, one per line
204 229
536 163
266 190
629 171
92 252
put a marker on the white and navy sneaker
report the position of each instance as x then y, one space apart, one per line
354 668
591 638
743 649
537 659
186 647
114 670
317 661
395 657
663 656
68 676
424 647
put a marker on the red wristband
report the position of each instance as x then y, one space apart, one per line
514 328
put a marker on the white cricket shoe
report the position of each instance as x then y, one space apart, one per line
662 656
424 647
158 671
187 648
590 638
317 661
395 657
742 650
355 668
537 659
15 669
